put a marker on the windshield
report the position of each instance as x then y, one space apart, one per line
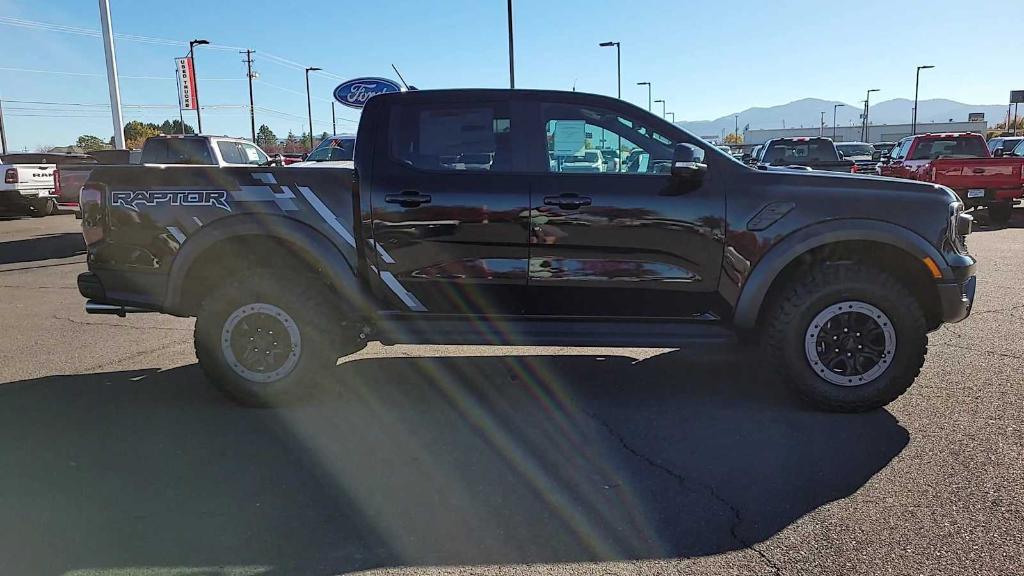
953 147
856 149
800 151
336 150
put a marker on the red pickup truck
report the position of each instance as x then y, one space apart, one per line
962 162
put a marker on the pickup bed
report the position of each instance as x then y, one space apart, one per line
962 162
839 277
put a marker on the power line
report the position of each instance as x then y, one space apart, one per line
99 75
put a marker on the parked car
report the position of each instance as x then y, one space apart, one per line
28 185
840 277
611 159
1003 145
962 162
754 156
335 151
814 153
289 158
864 155
203 150
589 161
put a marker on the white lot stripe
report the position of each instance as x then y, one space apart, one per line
404 295
327 215
177 233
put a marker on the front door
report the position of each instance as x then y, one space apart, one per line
612 233
448 200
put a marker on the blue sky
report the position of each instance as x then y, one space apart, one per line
707 59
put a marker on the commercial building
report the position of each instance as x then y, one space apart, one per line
876 132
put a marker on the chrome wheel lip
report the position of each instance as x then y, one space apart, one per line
237 366
819 321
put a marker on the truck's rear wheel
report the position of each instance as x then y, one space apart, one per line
42 207
268 337
1000 213
846 337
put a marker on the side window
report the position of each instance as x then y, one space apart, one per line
593 140
229 152
252 155
465 139
900 150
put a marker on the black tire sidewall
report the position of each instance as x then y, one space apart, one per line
911 344
308 303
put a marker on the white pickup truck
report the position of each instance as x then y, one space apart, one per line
28 185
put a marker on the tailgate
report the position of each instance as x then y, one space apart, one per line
34 177
978 173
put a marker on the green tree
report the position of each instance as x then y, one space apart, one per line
292 143
266 139
89 143
135 133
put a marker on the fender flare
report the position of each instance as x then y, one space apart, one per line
333 261
760 280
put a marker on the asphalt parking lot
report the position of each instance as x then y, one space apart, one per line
117 458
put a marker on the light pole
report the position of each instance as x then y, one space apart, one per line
867 111
511 51
821 126
648 84
112 82
917 83
662 102
834 108
309 105
195 88
673 115
618 61
334 120
736 129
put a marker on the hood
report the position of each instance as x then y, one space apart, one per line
866 182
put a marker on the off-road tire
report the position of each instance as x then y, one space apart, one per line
1000 213
788 324
308 306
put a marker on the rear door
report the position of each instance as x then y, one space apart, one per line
632 242
449 204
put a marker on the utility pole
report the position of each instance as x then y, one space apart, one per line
511 51
736 129
112 83
3 133
834 108
252 108
867 110
309 105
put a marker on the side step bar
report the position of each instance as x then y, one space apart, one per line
93 307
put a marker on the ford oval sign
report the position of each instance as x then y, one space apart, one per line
356 92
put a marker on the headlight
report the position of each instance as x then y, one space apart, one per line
960 225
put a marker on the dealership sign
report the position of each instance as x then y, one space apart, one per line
188 98
357 91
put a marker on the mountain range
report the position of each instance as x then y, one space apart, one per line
807 113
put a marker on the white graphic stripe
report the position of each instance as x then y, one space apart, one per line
382 252
327 215
404 295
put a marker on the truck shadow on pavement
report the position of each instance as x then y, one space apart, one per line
48 247
408 461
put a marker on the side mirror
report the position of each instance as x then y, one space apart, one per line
841 155
876 156
999 152
688 162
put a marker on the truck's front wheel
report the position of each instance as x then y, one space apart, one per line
847 337
268 337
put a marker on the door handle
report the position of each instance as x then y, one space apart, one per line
567 201
407 199
978 170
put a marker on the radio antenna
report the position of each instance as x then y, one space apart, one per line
395 68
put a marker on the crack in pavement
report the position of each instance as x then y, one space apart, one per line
683 480
76 263
133 327
969 349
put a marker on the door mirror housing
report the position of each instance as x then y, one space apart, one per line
841 155
688 162
876 156
999 152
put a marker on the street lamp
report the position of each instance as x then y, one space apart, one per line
618 61
195 88
834 108
867 111
736 128
917 82
309 105
511 51
673 115
662 102
648 84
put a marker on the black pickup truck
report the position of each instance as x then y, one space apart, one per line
840 277
805 152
